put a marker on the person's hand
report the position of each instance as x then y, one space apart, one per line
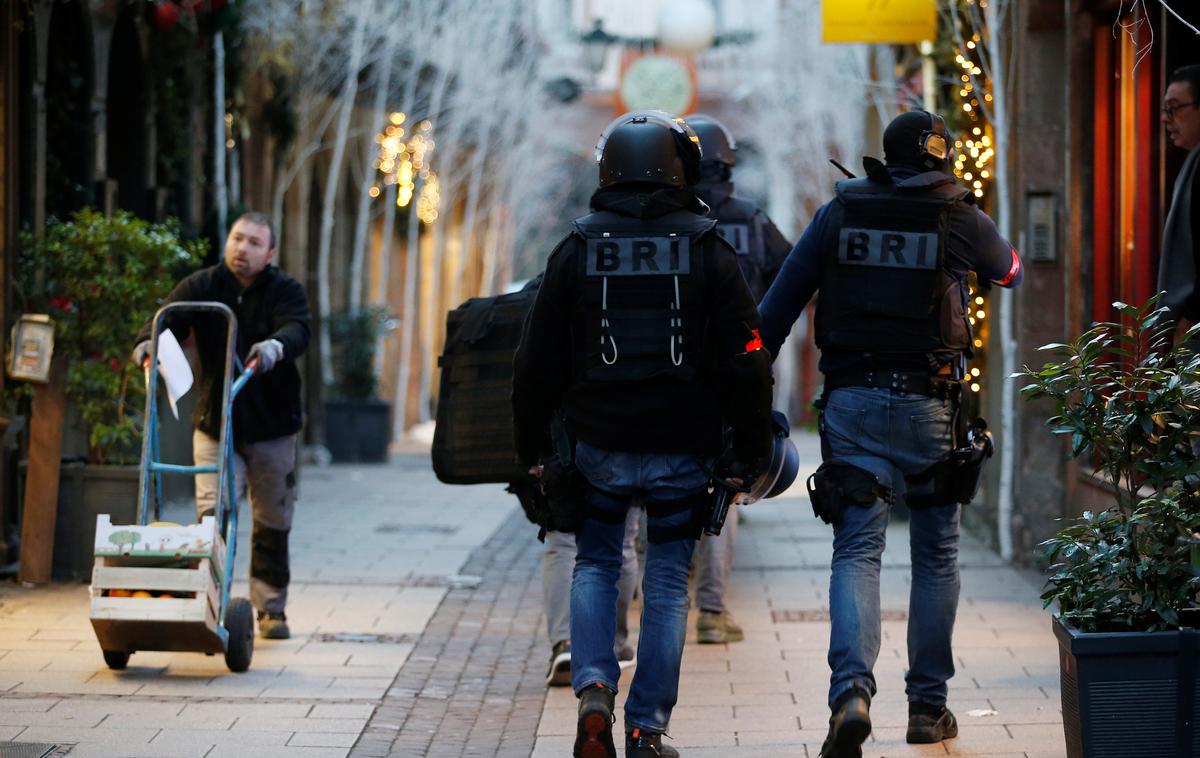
537 471
268 352
141 354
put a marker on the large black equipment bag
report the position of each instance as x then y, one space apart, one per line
473 439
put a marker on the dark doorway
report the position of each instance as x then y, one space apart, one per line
126 114
69 139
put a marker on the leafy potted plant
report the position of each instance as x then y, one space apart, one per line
1123 579
358 424
99 278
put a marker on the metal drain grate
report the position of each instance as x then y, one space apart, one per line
30 750
390 528
364 639
806 615
802 538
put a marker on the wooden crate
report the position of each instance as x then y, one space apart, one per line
160 559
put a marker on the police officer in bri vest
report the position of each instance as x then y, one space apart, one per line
645 334
761 250
890 256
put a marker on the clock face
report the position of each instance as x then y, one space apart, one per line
656 82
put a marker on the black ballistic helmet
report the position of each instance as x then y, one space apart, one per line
651 147
783 466
918 139
716 142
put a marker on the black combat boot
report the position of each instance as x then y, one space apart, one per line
930 723
849 726
640 744
593 731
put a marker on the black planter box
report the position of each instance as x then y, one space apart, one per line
358 431
85 491
1129 693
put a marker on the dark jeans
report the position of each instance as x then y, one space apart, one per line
661 482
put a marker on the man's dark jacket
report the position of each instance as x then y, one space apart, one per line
759 266
660 415
274 306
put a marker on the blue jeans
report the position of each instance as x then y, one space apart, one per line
891 436
665 484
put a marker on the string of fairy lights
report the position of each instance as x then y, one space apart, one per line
402 161
974 156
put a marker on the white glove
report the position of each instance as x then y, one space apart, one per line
141 353
268 352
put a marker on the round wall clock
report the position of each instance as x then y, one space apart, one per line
657 82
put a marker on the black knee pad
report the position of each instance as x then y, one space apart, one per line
269 556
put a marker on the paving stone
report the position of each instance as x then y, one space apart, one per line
322 739
338 725
233 751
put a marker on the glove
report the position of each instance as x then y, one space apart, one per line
141 353
268 352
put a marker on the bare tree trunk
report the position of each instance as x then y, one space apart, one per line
220 194
408 321
378 111
346 109
470 215
412 253
427 304
382 291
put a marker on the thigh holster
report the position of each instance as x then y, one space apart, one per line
836 486
684 517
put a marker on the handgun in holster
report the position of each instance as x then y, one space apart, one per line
834 486
957 478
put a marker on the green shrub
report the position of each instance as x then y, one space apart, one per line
99 278
1130 402
355 335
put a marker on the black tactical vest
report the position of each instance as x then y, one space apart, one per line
741 225
641 313
885 288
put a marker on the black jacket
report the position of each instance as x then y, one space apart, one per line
274 306
759 266
661 415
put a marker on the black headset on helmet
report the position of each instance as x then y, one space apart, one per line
935 145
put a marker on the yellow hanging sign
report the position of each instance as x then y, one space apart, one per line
878 21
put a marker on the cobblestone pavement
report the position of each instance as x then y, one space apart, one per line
475 684
418 632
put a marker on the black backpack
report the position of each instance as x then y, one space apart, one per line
473 439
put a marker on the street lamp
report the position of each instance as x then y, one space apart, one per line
595 46
687 26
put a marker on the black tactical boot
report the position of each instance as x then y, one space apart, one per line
849 726
639 744
930 723
593 731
